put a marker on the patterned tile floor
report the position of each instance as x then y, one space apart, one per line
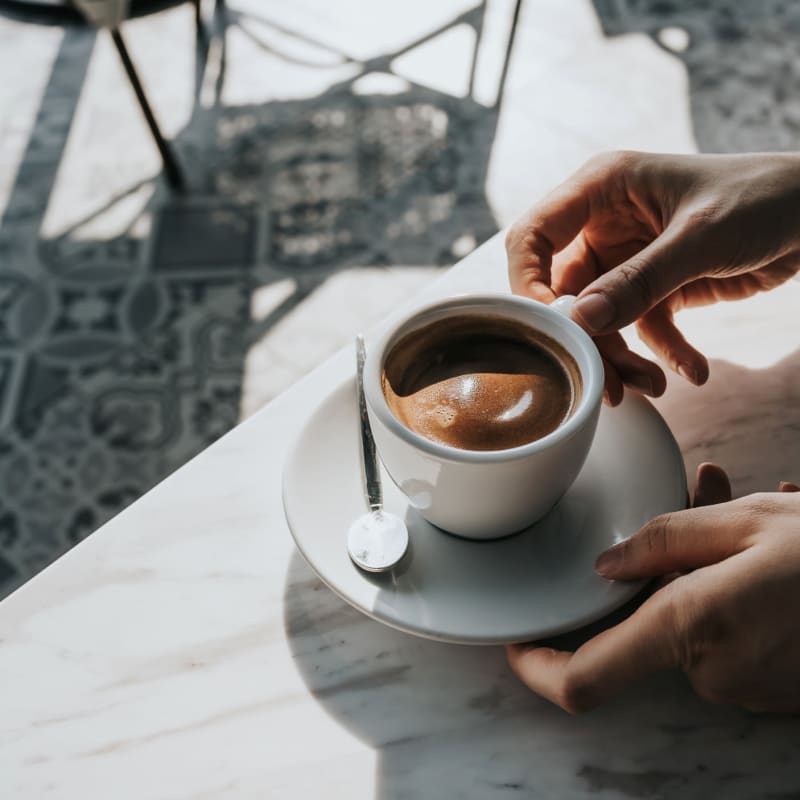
337 159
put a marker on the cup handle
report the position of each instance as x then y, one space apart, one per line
564 304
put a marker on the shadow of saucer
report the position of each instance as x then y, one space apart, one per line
453 721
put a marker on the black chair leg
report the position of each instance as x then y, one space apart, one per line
198 17
172 169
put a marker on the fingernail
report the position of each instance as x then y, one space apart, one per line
608 562
596 311
643 383
690 373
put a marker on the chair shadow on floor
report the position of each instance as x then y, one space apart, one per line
452 721
739 60
120 359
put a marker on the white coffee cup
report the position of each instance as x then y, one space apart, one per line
488 493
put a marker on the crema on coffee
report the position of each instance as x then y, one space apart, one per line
478 382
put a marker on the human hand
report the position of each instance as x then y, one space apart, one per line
640 236
730 623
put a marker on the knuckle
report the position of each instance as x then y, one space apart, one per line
597 163
658 536
525 239
610 162
577 694
639 279
694 624
702 216
624 160
675 620
513 237
670 355
670 622
758 503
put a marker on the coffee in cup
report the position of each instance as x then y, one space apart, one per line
478 382
483 408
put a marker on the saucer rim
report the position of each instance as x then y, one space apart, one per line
628 589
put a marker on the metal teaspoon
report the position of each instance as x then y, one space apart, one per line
378 540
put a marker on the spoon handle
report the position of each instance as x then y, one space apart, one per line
372 477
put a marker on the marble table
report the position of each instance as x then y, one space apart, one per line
185 650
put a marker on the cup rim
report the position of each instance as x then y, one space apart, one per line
592 377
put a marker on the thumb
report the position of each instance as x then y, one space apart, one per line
628 291
605 665
679 541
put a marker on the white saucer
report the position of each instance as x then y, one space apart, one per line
536 583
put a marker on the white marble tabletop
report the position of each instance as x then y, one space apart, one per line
185 650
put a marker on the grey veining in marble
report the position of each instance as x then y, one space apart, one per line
452 722
185 650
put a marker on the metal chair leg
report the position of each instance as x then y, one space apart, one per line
198 17
172 169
